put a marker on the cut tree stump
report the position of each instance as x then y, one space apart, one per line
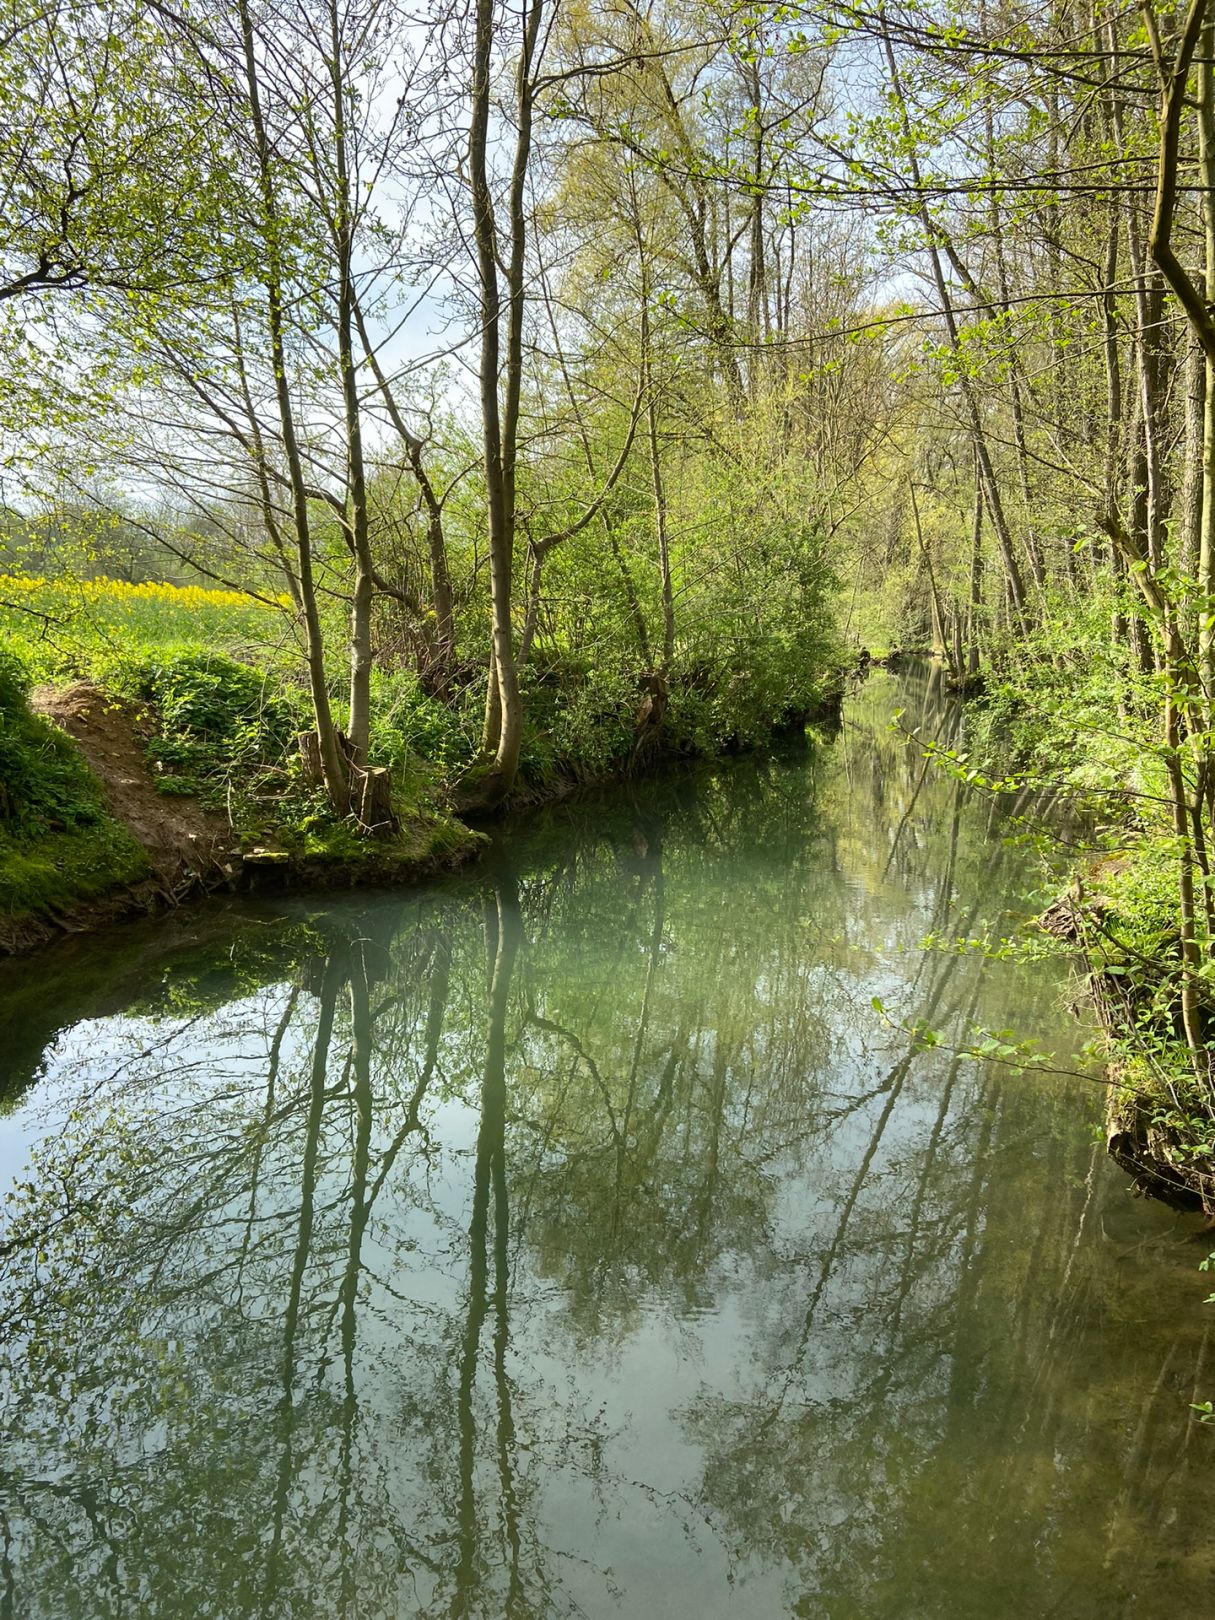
371 798
310 758
310 755
370 786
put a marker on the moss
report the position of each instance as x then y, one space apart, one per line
326 839
423 835
56 869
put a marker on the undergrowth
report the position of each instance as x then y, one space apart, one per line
221 674
1063 717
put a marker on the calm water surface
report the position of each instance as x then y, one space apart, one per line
574 1238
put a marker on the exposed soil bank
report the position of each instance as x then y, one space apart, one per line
185 842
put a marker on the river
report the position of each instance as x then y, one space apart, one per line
573 1236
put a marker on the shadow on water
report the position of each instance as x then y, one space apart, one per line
573 1237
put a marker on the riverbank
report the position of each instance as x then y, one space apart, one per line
95 838
1158 1124
1061 728
160 759
618 1100
151 845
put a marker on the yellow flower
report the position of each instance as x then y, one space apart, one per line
190 598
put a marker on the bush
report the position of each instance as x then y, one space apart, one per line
414 732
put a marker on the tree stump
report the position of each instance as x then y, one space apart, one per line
371 799
310 758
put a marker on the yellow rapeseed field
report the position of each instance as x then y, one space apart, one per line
67 625
174 597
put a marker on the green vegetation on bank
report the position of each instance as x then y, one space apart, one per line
1067 725
57 842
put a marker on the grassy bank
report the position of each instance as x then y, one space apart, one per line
58 843
181 770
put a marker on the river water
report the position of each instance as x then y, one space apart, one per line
574 1237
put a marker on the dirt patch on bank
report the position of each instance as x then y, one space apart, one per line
187 844
190 850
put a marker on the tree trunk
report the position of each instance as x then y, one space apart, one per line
1190 514
1206 533
500 422
442 645
933 237
358 725
656 481
332 763
531 612
975 608
938 614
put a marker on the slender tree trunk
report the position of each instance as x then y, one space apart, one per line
333 765
261 465
656 479
757 270
932 233
1206 533
938 613
1016 407
358 728
975 609
1112 359
531 613
500 421
442 594
1150 476
660 527
1194 297
1141 519
1190 514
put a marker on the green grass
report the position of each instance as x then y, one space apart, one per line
68 629
58 843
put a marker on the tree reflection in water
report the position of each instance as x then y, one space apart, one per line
573 1238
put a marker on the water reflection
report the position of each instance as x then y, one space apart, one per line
574 1238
